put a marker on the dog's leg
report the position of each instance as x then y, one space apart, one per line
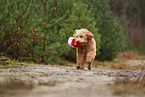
90 59
80 59
83 61
90 64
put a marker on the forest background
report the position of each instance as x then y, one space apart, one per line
38 30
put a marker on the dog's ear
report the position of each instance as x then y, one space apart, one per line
88 33
75 33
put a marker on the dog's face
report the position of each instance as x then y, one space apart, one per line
82 35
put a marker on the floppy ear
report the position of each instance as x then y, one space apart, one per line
88 33
75 33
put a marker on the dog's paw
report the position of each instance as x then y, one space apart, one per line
89 68
78 67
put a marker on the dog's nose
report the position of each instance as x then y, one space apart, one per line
77 42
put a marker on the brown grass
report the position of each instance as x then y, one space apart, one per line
130 55
12 85
120 62
124 67
102 64
116 65
128 86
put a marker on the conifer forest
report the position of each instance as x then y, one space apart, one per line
38 30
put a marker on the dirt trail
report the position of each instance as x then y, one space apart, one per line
67 81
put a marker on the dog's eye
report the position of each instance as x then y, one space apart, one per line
81 36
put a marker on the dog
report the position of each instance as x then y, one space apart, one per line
88 50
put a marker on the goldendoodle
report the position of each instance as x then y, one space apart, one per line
88 50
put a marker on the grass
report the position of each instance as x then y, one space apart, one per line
10 64
125 67
128 86
116 65
130 55
66 63
102 64
119 62
13 85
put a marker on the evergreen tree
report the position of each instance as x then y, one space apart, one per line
53 14
30 28
79 18
111 39
12 25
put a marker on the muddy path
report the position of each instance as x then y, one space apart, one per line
56 81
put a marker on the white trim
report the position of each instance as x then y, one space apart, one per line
70 40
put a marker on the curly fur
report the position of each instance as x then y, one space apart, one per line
88 51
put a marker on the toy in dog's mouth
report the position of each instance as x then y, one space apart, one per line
73 43
82 43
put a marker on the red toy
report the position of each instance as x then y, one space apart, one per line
72 43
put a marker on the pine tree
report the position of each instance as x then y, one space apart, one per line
30 28
80 17
111 38
12 25
52 16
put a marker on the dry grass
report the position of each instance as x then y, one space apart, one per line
66 63
128 86
117 65
120 62
124 67
102 64
12 85
130 55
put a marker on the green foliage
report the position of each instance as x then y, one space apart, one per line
12 25
111 39
31 29
39 29
80 17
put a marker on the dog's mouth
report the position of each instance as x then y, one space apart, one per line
83 43
77 42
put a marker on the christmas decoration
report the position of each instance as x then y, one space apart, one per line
72 43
